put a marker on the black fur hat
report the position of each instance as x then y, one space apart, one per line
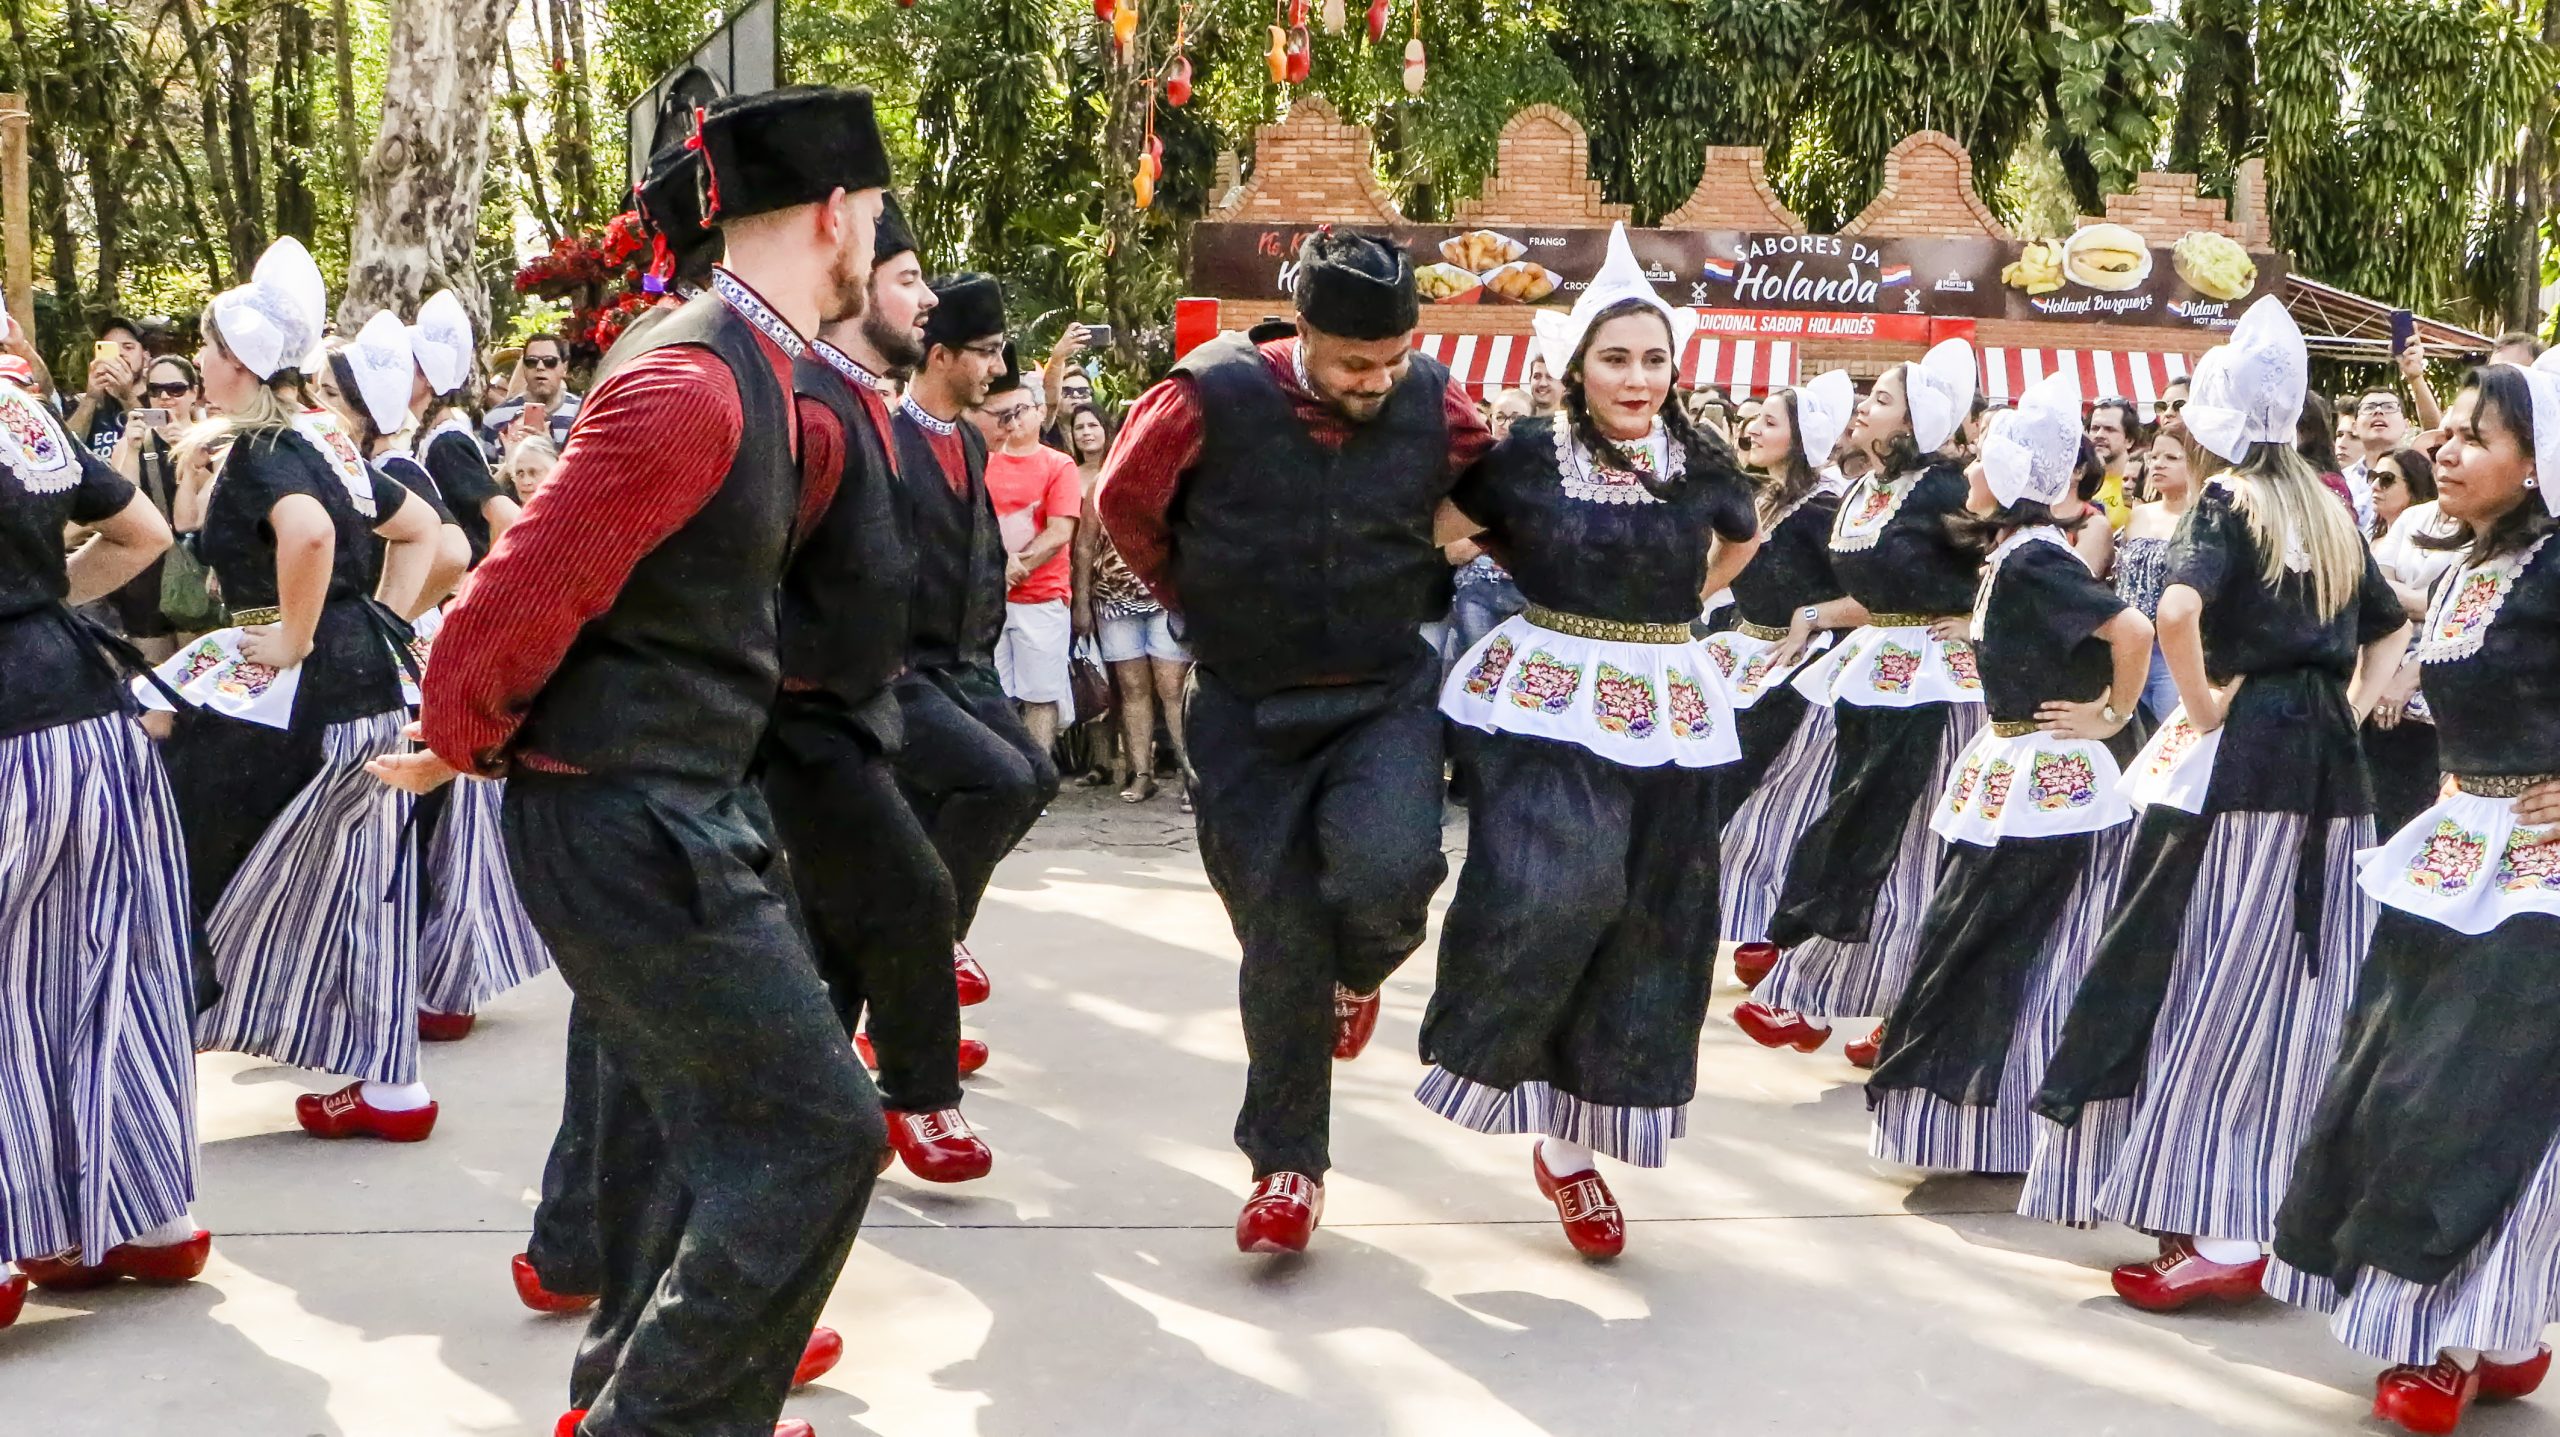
1356 286
892 238
793 146
968 307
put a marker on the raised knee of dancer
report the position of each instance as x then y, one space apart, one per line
1380 889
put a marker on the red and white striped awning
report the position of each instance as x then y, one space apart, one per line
1740 367
2104 373
1488 363
1483 363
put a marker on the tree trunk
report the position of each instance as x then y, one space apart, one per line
418 210
248 219
343 47
217 171
289 136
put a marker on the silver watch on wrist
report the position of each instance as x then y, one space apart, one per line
2108 712
1812 616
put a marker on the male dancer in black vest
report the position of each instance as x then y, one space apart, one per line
969 766
1279 498
619 659
878 900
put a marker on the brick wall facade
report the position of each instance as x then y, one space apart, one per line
1312 167
1542 176
1733 194
1928 190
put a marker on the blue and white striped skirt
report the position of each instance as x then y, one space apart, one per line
2501 1297
1826 978
1638 1136
316 939
97 1077
477 942
1917 1128
2245 1039
1760 839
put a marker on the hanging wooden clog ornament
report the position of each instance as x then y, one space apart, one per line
1124 24
1277 57
1297 14
1378 20
1333 17
1101 9
1177 82
1302 49
1413 54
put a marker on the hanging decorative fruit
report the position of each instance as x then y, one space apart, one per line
1302 49
1177 82
1413 66
1378 20
1125 24
1333 17
1277 57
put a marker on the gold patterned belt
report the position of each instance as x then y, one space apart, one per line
2499 785
1907 621
1763 632
2014 728
248 618
1607 631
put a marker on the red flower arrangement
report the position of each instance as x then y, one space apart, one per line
597 274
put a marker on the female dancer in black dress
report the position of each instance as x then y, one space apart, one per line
2035 829
310 916
2425 1207
1787 602
1905 700
97 1073
2195 1048
1579 951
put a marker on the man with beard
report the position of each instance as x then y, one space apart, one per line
618 660
878 901
1280 499
969 766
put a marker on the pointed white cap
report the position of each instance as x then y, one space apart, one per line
1620 278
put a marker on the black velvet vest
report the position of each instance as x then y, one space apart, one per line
1296 563
957 613
678 678
845 599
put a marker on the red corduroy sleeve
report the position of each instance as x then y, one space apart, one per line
1158 445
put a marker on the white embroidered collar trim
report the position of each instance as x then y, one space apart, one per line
944 427
339 453
1830 482
1869 507
734 292
34 445
2466 603
853 369
1586 479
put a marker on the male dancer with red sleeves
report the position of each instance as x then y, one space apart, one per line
969 766
618 659
878 900
1279 499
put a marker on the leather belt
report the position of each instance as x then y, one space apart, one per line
1907 621
2014 728
2499 785
251 618
1763 632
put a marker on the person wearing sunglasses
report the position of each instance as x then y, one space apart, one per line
172 400
544 370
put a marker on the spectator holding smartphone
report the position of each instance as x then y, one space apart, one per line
114 390
544 406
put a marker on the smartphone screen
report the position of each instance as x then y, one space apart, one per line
152 418
1100 335
2404 324
105 349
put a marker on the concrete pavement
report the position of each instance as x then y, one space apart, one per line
1776 1280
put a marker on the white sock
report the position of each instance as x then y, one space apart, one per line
2230 1252
2510 1356
1564 1159
176 1230
396 1097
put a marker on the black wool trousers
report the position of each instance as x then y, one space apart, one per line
971 773
737 1138
1319 813
879 903
565 1250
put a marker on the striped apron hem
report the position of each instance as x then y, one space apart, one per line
2245 1038
97 1077
477 942
1637 1136
1761 836
1826 978
316 939
1917 1128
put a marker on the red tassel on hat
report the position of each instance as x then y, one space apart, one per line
710 176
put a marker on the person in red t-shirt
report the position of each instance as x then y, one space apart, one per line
1038 497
